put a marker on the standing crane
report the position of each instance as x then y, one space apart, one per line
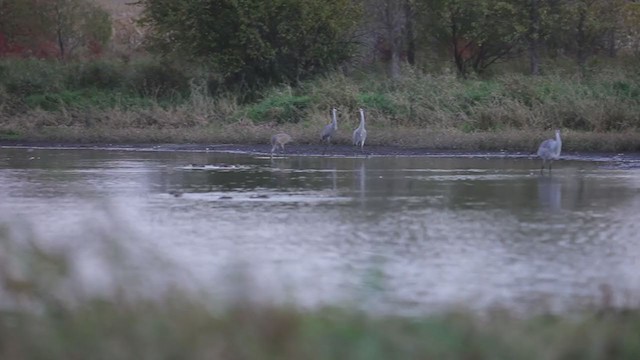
279 140
329 130
549 150
360 134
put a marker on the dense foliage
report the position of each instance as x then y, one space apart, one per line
585 53
477 34
252 41
48 28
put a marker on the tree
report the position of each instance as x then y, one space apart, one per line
536 17
76 23
410 15
393 18
479 32
585 27
69 23
391 23
631 26
252 41
20 26
533 36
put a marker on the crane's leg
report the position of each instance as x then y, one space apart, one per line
326 146
544 162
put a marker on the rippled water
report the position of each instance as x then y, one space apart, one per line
399 234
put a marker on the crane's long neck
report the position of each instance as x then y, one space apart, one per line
334 119
361 119
559 143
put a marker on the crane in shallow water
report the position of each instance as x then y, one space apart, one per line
279 140
329 130
549 150
360 134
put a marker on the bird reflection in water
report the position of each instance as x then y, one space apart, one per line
549 193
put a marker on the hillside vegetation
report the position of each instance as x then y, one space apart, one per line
152 101
443 74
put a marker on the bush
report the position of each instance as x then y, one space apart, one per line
98 74
25 77
377 101
626 89
159 80
279 109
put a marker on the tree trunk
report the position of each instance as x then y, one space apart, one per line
612 49
457 52
59 32
61 44
534 36
411 42
394 21
394 62
581 41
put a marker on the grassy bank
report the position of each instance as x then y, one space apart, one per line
150 101
46 314
179 329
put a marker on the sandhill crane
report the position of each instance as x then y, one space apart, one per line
329 130
360 134
279 140
550 150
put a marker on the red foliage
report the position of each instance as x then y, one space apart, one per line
43 49
95 48
465 49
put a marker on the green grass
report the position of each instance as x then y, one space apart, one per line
10 135
280 108
90 98
99 99
182 329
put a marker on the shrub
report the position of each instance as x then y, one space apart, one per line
159 80
279 109
377 101
25 77
98 74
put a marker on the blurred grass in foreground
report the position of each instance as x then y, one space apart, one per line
39 319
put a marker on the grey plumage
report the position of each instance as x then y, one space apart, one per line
549 150
329 130
279 140
360 134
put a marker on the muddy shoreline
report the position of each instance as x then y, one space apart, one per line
625 160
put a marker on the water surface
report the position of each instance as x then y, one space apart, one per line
398 234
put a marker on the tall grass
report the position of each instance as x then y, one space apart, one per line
149 97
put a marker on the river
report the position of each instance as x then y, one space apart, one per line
395 234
